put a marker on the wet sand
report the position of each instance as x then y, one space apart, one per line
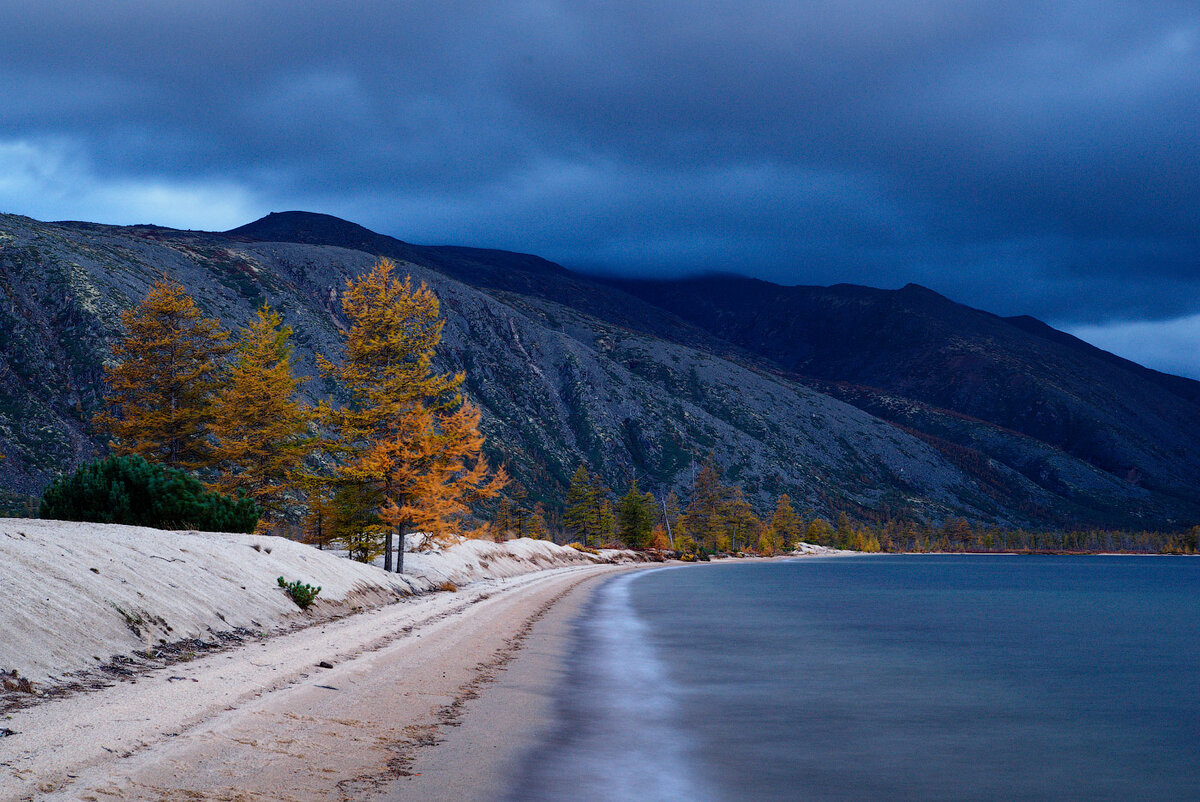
480 757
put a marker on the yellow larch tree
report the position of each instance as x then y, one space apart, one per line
405 442
438 474
784 530
259 426
167 370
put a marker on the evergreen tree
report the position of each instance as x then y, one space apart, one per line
635 517
503 523
258 425
130 490
581 517
166 373
607 521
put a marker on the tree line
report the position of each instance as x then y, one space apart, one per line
719 520
403 453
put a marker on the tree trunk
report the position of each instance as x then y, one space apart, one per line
400 551
387 551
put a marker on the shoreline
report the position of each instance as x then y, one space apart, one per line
482 754
265 722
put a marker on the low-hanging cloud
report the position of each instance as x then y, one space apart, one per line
1037 157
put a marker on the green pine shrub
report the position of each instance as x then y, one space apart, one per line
130 490
302 594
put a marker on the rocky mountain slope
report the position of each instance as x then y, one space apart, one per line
570 368
914 357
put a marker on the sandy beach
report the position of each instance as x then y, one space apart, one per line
397 716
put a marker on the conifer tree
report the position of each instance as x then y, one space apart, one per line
535 523
258 425
784 529
503 521
635 517
436 476
581 517
406 440
606 520
167 371
819 532
741 524
705 517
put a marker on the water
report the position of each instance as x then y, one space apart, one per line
884 678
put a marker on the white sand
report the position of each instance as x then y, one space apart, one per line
261 721
813 550
74 595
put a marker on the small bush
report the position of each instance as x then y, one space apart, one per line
448 586
302 594
130 490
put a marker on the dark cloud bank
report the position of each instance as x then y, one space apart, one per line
1038 157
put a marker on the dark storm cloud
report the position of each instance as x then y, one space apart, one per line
1035 157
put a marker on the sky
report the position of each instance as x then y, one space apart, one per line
1026 158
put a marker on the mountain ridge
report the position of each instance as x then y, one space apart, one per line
570 367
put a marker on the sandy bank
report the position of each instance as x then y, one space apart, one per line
84 603
264 722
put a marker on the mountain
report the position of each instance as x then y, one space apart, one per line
871 347
871 401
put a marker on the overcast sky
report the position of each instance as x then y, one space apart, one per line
1031 157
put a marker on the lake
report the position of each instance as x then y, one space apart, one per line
897 677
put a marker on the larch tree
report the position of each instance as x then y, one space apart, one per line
167 371
405 442
535 523
706 515
741 524
819 532
259 426
784 529
437 475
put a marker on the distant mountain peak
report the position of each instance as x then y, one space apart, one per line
313 228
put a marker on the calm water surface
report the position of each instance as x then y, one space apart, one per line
884 678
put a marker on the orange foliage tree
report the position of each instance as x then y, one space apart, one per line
160 391
259 426
406 441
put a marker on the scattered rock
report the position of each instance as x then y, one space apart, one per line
324 664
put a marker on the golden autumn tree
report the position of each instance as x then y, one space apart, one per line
259 426
437 475
408 449
784 530
166 373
